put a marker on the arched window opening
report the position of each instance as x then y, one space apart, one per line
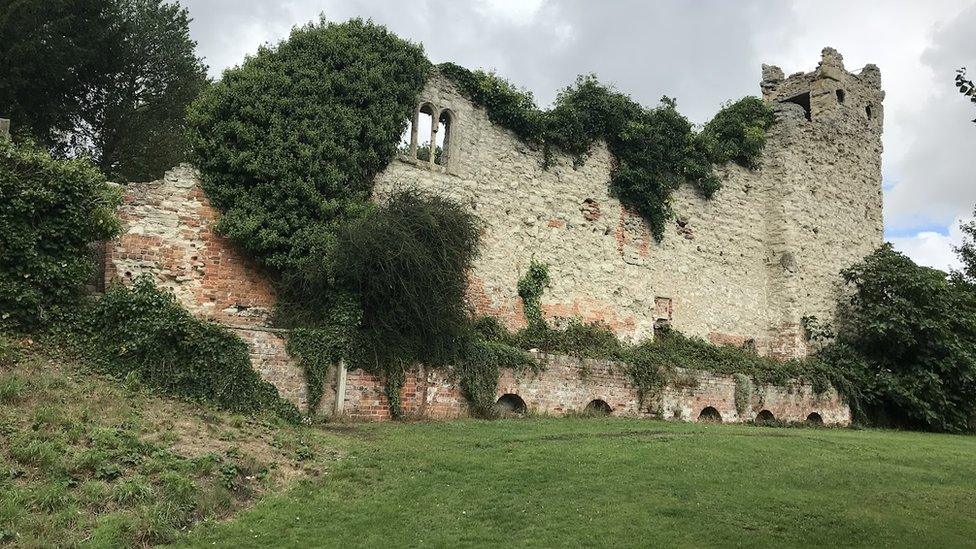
425 129
510 405
598 407
443 138
710 415
815 419
765 416
841 96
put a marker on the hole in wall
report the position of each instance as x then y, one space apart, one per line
443 140
425 128
815 419
841 96
710 415
765 416
404 146
510 404
598 407
868 111
802 100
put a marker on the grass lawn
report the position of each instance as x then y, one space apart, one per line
620 482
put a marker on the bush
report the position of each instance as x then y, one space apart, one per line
50 211
143 329
288 142
907 340
408 261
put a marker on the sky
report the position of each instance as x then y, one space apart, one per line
704 53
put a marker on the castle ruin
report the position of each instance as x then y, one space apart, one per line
743 267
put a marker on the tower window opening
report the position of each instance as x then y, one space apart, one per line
425 129
442 143
802 100
868 111
840 96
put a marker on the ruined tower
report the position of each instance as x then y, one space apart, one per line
822 169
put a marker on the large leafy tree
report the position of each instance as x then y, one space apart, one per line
109 79
907 342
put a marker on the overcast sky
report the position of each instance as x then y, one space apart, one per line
703 53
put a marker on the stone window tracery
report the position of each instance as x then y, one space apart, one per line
430 135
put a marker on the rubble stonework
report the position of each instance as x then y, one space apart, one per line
740 268
745 265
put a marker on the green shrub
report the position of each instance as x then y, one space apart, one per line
408 261
906 341
288 142
737 133
143 329
50 211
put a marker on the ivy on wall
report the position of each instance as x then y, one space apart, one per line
143 331
657 149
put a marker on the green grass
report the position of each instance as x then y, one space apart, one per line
617 482
88 461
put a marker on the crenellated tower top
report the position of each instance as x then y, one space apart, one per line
830 93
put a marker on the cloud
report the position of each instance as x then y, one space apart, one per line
935 173
933 249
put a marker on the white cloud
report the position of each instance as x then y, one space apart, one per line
933 249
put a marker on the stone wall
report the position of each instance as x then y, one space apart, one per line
744 266
741 268
567 385
168 234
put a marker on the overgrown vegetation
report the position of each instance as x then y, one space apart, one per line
289 168
91 460
142 332
50 212
656 149
907 341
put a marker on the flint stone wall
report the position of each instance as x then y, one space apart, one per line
744 266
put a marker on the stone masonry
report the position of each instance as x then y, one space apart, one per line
567 385
741 268
744 266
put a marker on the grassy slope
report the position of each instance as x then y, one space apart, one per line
613 482
87 460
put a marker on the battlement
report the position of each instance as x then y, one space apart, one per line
829 92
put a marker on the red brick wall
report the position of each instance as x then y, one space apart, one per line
567 385
168 233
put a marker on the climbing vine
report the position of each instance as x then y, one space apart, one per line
656 148
530 288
